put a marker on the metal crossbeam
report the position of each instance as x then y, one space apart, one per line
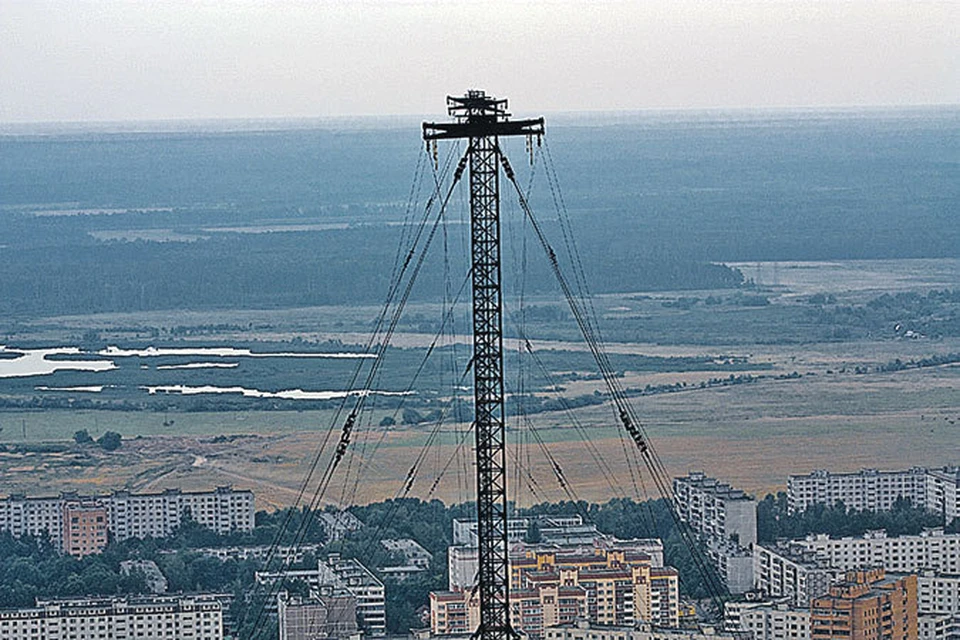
482 119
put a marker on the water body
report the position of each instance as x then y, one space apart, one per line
36 362
221 352
199 365
286 394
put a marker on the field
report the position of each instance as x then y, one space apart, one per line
816 405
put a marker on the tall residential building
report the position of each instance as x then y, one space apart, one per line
84 527
316 617
583 630
462 561
868 606
776 622
336 576
932 549
153 618
555 585
130 515
937 490
789 570
938 603
726 520
560 529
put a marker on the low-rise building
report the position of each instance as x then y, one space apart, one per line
337 524
153 577
414 554
172 617
286 554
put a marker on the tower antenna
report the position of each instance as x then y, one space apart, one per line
483 119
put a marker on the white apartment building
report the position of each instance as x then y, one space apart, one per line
336 577
938 626
154 618
585 631
789 570
943 492
463 561
870 489
563 529
715 509
938 593
932 549
133 515
776 622
726 519
411 550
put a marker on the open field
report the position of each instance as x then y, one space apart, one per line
812 403
751 435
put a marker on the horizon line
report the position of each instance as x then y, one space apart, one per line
194 122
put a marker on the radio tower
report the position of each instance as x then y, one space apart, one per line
483 120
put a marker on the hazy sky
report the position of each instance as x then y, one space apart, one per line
74 60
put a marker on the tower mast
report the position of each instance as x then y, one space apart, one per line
482 120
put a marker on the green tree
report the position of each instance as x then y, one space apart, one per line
82 437
110 441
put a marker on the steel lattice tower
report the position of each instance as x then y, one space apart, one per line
483 119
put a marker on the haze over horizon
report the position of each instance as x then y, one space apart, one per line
114 61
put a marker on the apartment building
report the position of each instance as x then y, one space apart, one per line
726 519
943 492
936 490
411 550
153 618
286 554
84 527
938 604
868 605
457 613
931 549
789 570
561 530
549 585
776 622
336 576
316 617
463 561
583 630
128 515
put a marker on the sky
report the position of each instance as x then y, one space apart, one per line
76 60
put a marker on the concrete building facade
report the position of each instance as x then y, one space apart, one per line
130 515
789 570
777 622
726 519
316 617
336 576
154 618
936 490
868 605
931 549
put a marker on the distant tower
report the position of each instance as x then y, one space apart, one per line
483 120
